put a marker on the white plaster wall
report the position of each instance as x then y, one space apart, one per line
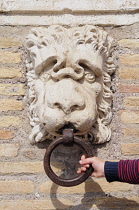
25 169
69 12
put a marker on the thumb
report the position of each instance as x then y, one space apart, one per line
97 174
94 174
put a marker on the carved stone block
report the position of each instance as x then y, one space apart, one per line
69 82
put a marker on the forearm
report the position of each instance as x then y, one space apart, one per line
111 171
123 171
128 171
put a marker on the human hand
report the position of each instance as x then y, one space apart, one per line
97 164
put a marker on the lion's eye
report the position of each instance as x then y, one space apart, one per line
89 76
81 41
88 72
45 73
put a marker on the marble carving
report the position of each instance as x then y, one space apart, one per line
69 77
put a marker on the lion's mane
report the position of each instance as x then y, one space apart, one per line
100 41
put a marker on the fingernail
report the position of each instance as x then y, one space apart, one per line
80 162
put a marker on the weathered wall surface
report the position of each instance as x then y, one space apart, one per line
23 183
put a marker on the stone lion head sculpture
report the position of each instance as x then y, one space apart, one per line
69 75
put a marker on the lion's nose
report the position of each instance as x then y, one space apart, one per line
67 72
66 96
68 108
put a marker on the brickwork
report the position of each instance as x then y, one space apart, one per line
8 42
129 73
8 150
91 187
7 121
11 89
14 187
46 204
5 134
23 183
130 149
10 73
10 104
9 57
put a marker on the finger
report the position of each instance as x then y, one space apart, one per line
83 168
86 161
79 171
83 157
86 165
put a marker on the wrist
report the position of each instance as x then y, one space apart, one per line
111 171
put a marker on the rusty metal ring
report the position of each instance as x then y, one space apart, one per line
67 182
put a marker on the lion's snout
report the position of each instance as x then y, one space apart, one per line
68 105
66 97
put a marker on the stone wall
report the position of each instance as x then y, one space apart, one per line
23 183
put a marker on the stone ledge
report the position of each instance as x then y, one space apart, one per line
70 19
68 5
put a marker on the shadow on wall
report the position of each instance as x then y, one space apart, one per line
101 200
97 199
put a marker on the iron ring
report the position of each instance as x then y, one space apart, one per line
61 181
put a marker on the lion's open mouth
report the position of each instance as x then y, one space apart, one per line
67 126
